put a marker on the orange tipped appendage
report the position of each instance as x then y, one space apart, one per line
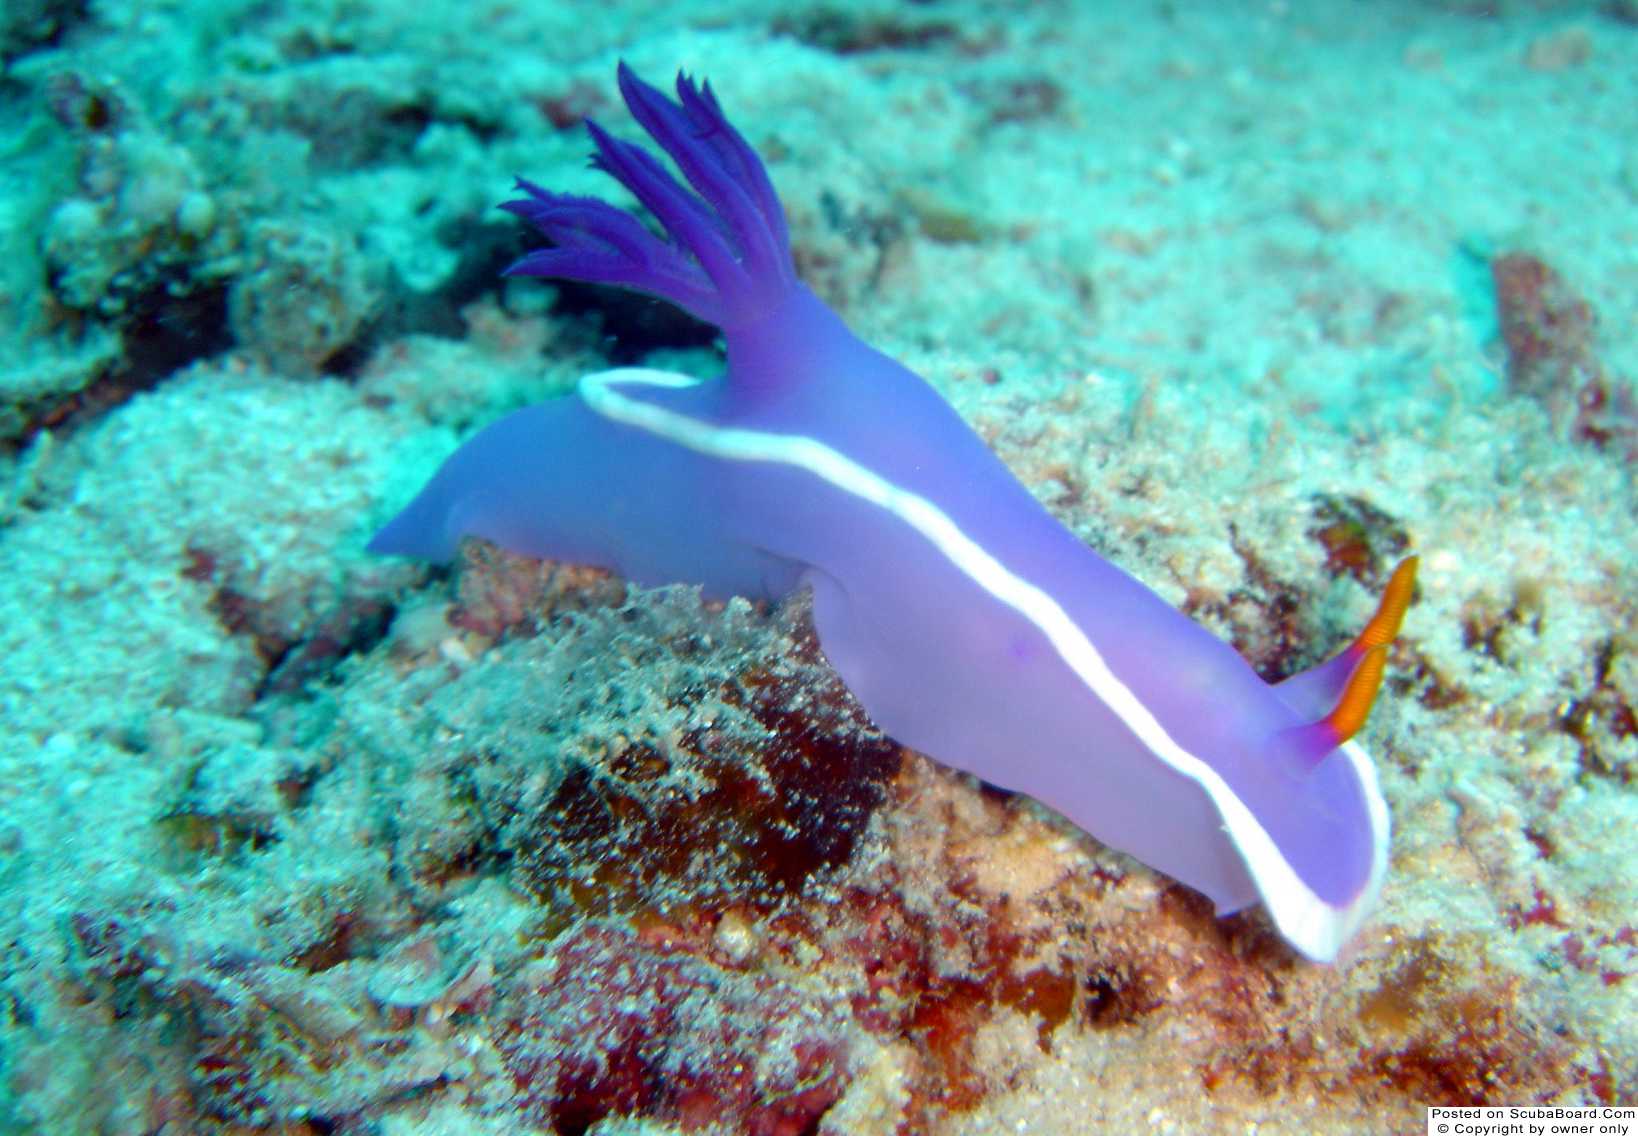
1390 613
1345 720
1358 696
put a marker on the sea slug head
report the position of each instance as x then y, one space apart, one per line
1318 797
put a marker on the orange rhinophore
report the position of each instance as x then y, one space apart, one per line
1371 651
1390 613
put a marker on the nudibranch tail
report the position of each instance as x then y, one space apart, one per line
729 253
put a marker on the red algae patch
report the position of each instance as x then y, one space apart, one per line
1549 331
751 800
609 1024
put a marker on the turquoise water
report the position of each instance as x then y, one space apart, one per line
1255 299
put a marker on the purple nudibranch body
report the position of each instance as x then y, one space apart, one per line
969 622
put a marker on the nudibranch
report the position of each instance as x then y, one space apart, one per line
968 622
